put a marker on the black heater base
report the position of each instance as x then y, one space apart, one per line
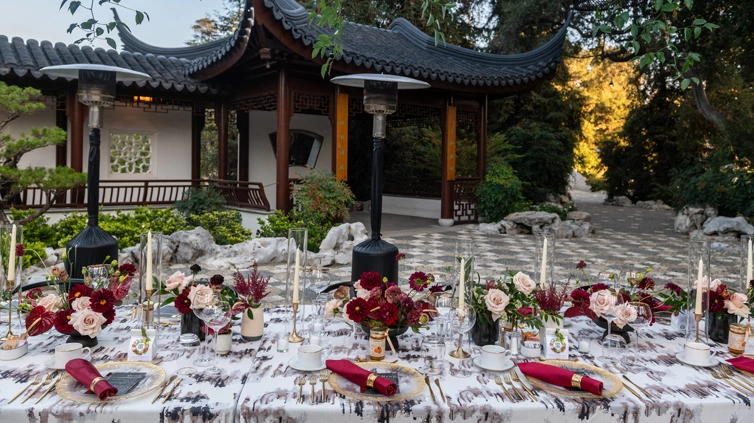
91 246
375 256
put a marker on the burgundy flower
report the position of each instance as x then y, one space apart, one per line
183 303
63 321
127 268
102 300
490 284
46 321
370 280
581 264
414 317
389 314
374 305
109 315
400 257
20 250
647 284
599 287
675 288
357 309
195 268
716 302
80 290
418 281
393 294
437 288
407 304
216 280
34 293
580 297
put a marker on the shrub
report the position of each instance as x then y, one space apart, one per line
225 226
500 193
36 230
321 197
34 252
198 201
278 223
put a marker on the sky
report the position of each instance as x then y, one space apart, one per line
169 26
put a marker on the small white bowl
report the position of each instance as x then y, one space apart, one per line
529 352
14 354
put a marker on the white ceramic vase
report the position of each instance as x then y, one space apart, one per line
252 329
551 324
224 343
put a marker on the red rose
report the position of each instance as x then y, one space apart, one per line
370 280
63 321
389 314
80 290
183 303
357 309
102 300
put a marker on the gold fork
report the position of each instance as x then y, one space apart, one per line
720 377
727 370
313 382
301 380
36 381
509 380
47 381
515 377
323 374
732 379
499 381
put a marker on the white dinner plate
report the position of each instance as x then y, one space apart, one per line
50 363
507 366
294 364
712 361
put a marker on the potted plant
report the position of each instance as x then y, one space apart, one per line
251 290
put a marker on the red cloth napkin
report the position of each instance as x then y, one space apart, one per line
560 377
742 363
359 376
85 372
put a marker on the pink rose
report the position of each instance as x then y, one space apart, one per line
707 285
87 322
80 304
496 301
176 281
330 307
736 304
51 302
201 296
524 283
601 301
625 313
361 292
342 293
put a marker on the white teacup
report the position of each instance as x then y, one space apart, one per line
67 352
697 353
494 356
310 356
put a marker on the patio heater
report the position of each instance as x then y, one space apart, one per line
97 90
380 100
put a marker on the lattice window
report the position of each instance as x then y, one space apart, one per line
131 153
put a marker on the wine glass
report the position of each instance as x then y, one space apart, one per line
609 314
216 316
643 320
462 319
443 304
433 352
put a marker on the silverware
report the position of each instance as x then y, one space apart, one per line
731 384
499 381
509 380
429 385
47 391
625 385
170 392
437 382
727 370
643 391
515 377
47 381
313 382
323 374
301 382
37 380
172 378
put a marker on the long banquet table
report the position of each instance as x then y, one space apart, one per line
257 385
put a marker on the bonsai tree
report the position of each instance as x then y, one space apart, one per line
53 182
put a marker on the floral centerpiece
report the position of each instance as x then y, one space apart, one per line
250 291
549 302
725 306
508 298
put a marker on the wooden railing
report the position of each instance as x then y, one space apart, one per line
151 192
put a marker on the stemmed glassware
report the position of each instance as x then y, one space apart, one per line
443 304
609 314
433 352
642 321
462 319
215 315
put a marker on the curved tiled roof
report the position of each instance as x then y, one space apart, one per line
24 58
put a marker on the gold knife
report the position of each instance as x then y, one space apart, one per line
632 391
171 390
437 382
34 391
52 385
643 391
429 385
172 378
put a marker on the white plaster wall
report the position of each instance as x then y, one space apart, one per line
408 206
261 158
43 156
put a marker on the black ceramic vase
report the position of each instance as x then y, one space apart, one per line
84 340
192 324
718 326
485 333
622 332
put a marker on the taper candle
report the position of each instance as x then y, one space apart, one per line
12 255
295 278
462 286
149 261
699 288
749 269
543 270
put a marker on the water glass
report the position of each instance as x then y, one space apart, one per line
433 353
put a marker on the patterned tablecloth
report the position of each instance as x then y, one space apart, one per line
203 397
681 394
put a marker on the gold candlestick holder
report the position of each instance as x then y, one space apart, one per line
698 318
294 337
9 336
459 352
147 310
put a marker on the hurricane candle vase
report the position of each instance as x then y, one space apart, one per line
545 264
150 279
297 242
10 237
699 276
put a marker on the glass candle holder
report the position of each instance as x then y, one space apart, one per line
150 278
297 242
11 236
747 261
699 279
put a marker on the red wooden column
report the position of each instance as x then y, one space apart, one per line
242 123
221 120
198 119
283 141
76 113
481 143
448 164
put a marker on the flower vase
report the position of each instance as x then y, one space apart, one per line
485 333
252 328
85 340
223 343
718 326
190 323
550 323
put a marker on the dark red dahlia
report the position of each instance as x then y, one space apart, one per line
599 287
102 300
675 288
109 315
35 293
437 288
400 256
183 303
647 284
63 321
370 280
78 291
580 297
357 309
389 314
414 317
216 280
581 264
128 268
407 304
418 281
20 250
716 302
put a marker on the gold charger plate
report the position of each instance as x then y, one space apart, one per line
611 384
410 382
70 389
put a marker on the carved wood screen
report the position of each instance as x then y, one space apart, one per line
464 200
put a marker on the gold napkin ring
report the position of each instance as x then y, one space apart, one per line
95 381
576 380
370 380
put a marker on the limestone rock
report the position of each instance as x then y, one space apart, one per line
722 225
579 216
337 247
623 201
193 244
710 212
682 223
533 218
583 230
490 228
512 228
245 254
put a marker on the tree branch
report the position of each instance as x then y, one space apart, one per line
703 104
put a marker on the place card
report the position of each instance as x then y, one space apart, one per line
141 345
556 343
124 382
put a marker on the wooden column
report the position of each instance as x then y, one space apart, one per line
448 161
61 121
198 119
340 135
481 142
221 120
283 141
76 113
242 123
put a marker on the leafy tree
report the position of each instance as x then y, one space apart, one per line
218 24
14 103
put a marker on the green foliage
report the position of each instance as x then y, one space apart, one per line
37 230
562 212
198 201
499 194
321 198
34 252
278 223
94 29
225 226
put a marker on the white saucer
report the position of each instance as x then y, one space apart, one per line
712 361
294 364
507 366
50 363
